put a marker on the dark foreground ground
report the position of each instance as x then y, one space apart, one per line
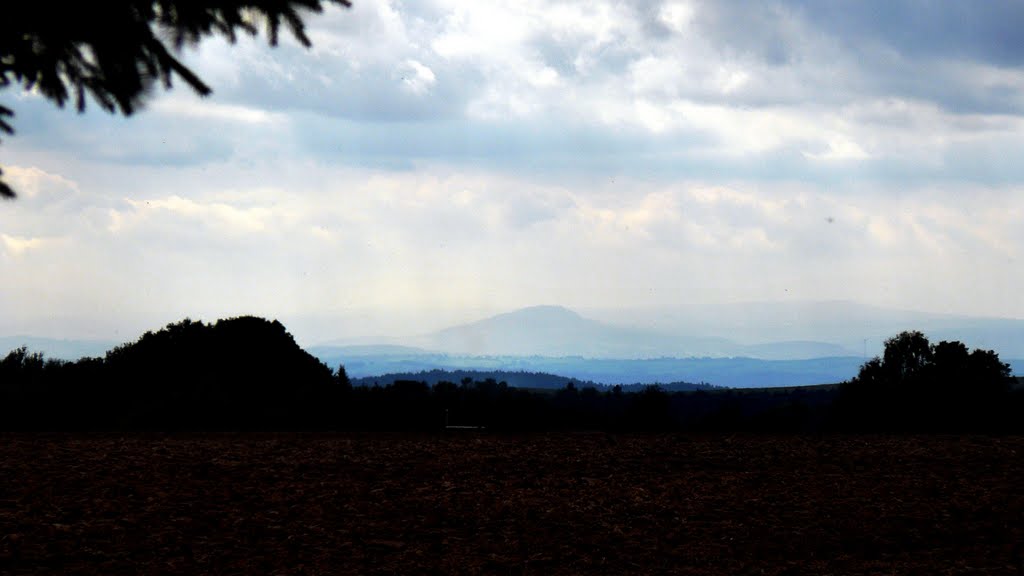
477 504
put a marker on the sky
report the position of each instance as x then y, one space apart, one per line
430 162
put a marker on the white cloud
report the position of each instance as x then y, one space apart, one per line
416 77
436 239
839 147
445 154
677 15
219 218
203 109
34 182
17 245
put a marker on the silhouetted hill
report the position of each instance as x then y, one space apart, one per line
517 379
244 372
236 348
537 380
237 370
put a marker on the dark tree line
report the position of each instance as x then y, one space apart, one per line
248 373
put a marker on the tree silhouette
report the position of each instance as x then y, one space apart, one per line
919 386
907 355
343 380
117 50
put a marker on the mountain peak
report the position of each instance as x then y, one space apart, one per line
544 311
545 330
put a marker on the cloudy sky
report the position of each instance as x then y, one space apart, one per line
430 161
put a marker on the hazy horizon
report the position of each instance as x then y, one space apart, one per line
853 329
433 164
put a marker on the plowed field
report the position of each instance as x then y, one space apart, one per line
467 503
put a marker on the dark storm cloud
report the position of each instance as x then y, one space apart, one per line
904 48
988 31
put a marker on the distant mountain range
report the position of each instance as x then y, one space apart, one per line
769 344
670 348
850 325
731 372
558 331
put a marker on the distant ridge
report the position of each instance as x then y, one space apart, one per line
368 350
56 348
558 331
517 379
859 329
793 350
731 372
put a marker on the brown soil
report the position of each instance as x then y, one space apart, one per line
468 503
